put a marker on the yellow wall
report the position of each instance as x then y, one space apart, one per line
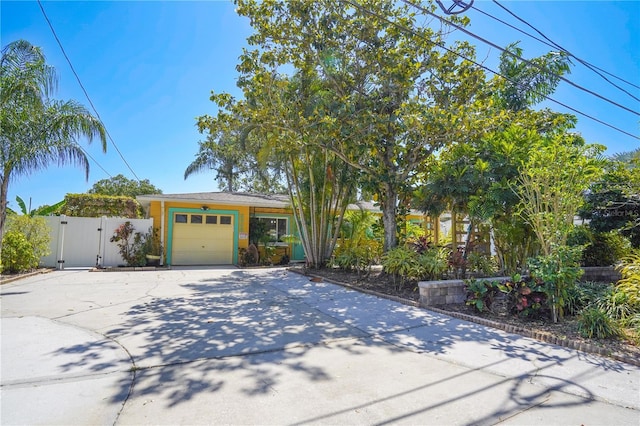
243 217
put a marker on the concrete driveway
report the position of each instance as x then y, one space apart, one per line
231 346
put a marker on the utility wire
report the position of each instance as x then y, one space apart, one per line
405 29
555 45
93 159
469 33
86 94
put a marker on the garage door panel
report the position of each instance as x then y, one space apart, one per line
203 243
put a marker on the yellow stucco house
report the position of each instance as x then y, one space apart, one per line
211 228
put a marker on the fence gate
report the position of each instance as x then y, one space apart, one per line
84 241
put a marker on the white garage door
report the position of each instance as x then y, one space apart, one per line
202 239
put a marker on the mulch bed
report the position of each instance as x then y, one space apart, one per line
564 333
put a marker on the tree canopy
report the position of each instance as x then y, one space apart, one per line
232 150
36 130
387 94
121 185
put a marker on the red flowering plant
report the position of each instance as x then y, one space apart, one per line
130 243
525 297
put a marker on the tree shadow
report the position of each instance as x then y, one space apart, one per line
226 322
242 324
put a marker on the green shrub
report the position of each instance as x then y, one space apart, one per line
481 264
584 294
630 282
401 262
580 235
525 297
600 248
481 293
558 272
632 324
132 244
594 322
433 262
35 232
359 258
17 253
606 249
615 304
96 205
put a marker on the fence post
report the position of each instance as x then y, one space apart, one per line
63 222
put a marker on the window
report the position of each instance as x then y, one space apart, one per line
225 220
181 218
211 220
276 227
196 218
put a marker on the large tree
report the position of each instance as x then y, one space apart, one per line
232 150
477 175
121 185
613 202
395 96
35 129
289 133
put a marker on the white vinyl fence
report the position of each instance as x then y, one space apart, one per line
84 241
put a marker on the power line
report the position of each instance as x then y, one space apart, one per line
86 94
93 159
526 61
555 45
403 28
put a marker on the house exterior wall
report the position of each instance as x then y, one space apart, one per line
163 209
295 251
162 213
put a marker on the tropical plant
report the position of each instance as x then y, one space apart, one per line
132 244
594 322
557 273
630 282
525 297
476 175
36 130
481 264
153 243
433 263
359 257
481 293
528 83
357 247
40 211
401 262
551 185
616 304
234 152
585 294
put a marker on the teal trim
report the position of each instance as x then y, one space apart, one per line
174 210
297 251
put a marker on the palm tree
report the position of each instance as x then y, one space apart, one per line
35 130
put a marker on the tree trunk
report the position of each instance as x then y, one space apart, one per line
389 219
4 188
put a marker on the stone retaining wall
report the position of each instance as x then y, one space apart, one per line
453 291
605 274
446 291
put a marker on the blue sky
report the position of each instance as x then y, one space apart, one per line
149 68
